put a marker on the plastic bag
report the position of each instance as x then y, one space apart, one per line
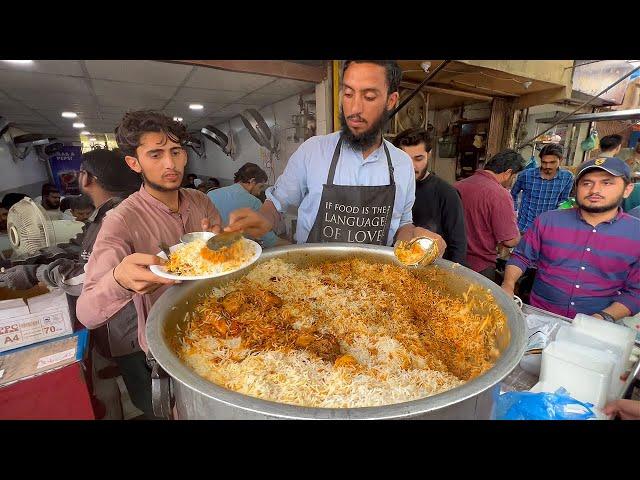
591 142
540 406
541 330
568 203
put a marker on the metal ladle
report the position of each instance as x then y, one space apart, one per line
428 246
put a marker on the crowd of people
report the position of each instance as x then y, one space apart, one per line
579 260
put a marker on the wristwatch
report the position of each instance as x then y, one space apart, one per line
606 316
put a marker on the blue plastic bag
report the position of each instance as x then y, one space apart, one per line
541 406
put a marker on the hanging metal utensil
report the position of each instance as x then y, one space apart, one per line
258 128
195 144
217 136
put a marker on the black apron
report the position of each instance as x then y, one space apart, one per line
354 214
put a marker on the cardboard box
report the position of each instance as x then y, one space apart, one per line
33 360
24 321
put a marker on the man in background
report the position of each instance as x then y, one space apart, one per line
610 146
81 208
543 188
214 182
51 201
191 177
105 180
437 207
4 212
489 216
588 258
249 182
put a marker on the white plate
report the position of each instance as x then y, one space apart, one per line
161 271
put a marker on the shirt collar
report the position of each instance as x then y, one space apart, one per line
427 178
487 174
613 220
102 209
183 202
238 187
375 155
539 174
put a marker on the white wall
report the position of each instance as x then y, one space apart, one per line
324 106
217 164
22 176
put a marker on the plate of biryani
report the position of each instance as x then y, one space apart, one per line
195 261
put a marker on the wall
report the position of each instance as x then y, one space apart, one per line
21 176
217 164
324 106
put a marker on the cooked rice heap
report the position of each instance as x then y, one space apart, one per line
339 335
194 258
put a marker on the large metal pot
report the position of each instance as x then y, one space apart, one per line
197 398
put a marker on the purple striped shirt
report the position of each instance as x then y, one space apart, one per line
581 268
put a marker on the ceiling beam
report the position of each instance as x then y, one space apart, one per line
274 68
543 97
448 91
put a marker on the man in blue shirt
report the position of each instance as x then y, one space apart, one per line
543 188
349 186
249 182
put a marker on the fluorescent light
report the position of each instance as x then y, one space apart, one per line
84 132
19 62
196 106
79 125
177 119
69 114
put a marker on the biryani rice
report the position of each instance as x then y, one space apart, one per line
196 259
405 339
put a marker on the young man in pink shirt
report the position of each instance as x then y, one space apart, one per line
161 211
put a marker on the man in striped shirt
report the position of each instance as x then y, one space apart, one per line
543 188
588 258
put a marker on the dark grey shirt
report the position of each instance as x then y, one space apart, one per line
438 208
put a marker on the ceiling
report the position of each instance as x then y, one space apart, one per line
33 96
461 84
472 79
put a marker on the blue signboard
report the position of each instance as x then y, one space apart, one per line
65 166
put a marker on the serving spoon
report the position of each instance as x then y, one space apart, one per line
428 246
